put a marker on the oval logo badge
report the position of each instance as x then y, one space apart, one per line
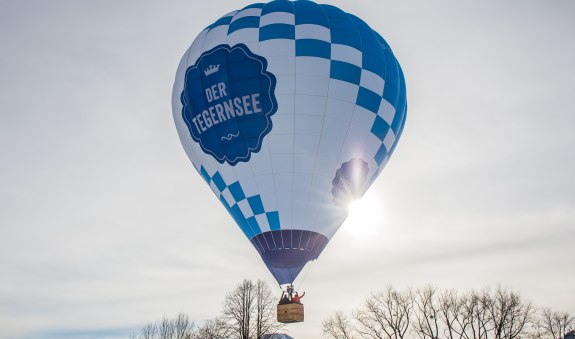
227 102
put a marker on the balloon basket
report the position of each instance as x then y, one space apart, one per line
290 313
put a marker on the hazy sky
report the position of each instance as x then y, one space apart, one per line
105 225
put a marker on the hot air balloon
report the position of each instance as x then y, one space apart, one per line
289 110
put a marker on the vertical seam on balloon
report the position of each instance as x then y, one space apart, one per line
313 174
357 31
253 233
294 113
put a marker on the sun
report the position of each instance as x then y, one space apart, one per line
365 216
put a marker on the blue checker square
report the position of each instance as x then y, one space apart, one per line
381 154
368 99
219 181
345 72
256 204
277 31
379 128
273 220
221 22
245 22
236 191
277 6
313 47
254 227
205 174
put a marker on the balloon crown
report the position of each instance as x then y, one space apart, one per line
212 69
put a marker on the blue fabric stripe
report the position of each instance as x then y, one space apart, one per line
256 204
278 6
221 22
368 99
205 174
379 128
344 71
277 31
374 63
273 220
219 181
254 227
238 216
308 12
236 191
313 47
343 30
380 155
245 22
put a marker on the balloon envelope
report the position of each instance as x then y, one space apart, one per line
289 110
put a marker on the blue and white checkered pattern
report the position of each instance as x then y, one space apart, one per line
355 54
341 95
248 212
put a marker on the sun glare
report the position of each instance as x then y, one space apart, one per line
365 216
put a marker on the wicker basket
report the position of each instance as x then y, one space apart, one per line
290 313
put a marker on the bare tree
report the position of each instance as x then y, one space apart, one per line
165 329
338 327
149 331
555 324
385 315
451 315
213 329
427 321
182 326
508 313
249 311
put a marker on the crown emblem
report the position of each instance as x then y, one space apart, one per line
212 69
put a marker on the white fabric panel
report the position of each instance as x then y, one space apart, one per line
313 66
213 37
343 91
249 186
353 143
263 222
266 186
386 111
262 164
363 118
245 208
389 139
284 123
339 110
245 36
281 143
309 31
308 124
346 54
277 18
370 146
306 143
279 47
228 197
335 129
310 104
301 187
304 163
372 81
247 12
282 163
311 85
284 184
286 85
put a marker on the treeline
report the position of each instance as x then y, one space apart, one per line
248 312
431 313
